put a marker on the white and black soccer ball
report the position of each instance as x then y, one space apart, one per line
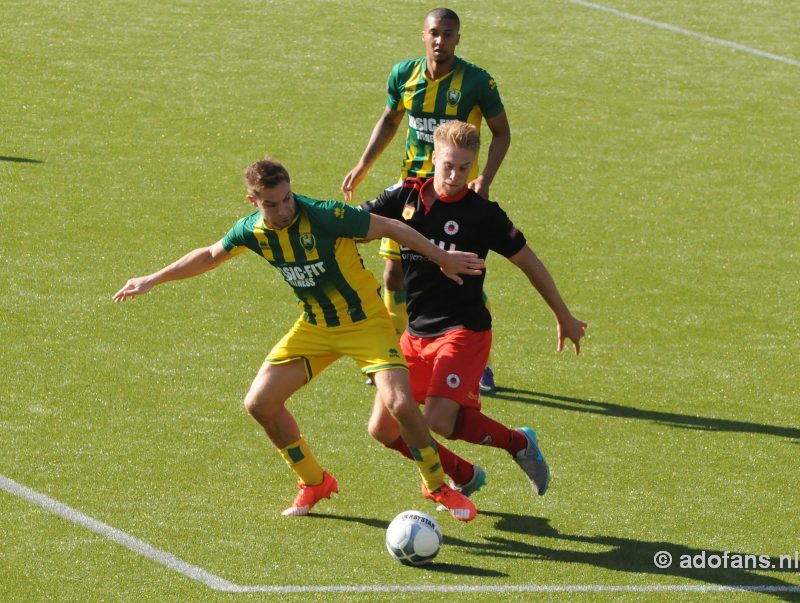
413 538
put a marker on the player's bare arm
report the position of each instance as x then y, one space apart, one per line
382 134
501 141
567 326
192 264
452 263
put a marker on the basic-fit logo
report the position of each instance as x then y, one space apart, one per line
424 127
453 381
303 276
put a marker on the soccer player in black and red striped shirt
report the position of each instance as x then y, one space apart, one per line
449 331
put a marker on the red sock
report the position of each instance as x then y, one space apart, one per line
457 469
475 427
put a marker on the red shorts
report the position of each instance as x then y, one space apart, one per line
448 366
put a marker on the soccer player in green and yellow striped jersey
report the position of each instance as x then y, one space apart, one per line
312 245
316 257
464 93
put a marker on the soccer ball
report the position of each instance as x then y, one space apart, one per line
413 538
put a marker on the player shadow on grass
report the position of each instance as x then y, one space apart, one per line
18 159
619 554
665 418
438 566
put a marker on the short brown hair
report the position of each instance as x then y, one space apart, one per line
265 173
458 134
444 14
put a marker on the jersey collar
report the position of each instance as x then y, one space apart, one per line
442 198
439 79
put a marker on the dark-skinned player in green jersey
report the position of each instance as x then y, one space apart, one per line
312 244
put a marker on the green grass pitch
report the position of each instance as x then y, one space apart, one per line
655 172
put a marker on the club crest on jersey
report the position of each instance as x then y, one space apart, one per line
308 241
451 227
453 96
453 381
408 212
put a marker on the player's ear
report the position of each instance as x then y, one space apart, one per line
252 200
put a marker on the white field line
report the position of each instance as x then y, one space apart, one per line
687 32
98 527
214 582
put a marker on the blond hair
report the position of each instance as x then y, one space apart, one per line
458 134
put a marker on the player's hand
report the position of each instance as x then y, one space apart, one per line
573 329
135 286
350 182
461 262
479 187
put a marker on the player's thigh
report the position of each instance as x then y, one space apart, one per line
372 343
313 345
418 366
459 359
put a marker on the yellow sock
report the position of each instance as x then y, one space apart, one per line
429 465
303 462
395 302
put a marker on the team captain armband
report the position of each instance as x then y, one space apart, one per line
389 249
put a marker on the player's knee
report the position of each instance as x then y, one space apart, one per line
378 431
260 404
440 425
251 403
400 406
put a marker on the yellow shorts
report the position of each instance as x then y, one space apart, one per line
372 343
389 249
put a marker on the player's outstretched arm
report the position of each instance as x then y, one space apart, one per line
567 326
452 263
193 263
382 134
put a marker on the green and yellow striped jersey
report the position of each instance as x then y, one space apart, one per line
467 93
317 256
